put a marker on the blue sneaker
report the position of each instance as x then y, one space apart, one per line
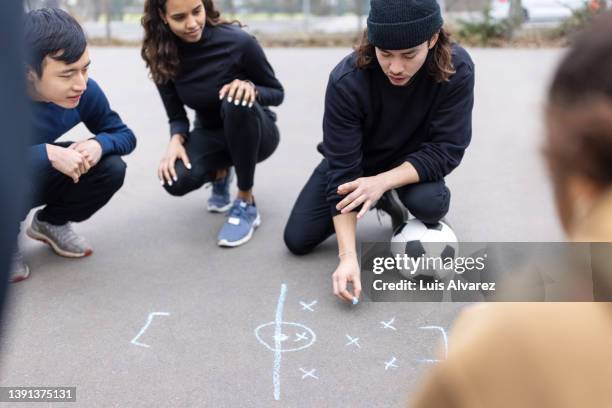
219 201
241 221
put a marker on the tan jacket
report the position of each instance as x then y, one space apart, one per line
542 355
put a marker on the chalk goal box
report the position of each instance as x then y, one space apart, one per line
486 271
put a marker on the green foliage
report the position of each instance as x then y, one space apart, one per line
486 32
580 18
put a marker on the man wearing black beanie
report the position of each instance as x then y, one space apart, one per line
397 121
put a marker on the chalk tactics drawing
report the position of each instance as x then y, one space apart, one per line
390 363
353 341
388 325
145 327
308 306
278 325
444 337
301 336
309 374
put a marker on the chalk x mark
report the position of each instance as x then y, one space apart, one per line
390 363
389 324
145 327
444 337
310 335
353 341
308 306
309 373
301 336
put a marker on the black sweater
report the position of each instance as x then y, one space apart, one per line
371 126
224 53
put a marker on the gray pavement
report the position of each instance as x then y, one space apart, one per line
76 322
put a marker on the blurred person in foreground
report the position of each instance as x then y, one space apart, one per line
15 122
550 354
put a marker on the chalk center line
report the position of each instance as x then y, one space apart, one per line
304 339
277 341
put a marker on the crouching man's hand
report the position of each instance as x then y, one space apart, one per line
68 161
364 190
90 149
347 271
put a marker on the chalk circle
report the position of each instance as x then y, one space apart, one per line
313 336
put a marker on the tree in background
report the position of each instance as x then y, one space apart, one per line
516 17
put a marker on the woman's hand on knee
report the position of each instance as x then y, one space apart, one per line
167 170
365 191
240 92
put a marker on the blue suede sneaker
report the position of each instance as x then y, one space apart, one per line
241 221
219 201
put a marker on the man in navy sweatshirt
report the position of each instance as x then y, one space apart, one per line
397 121
72 180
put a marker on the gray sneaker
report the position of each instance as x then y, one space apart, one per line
19 269
61 238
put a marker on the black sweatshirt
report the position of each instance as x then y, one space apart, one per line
371 126
224 53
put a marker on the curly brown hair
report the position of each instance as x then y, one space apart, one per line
159 49
440 65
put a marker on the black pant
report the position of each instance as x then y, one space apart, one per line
310 222
248 136
66 201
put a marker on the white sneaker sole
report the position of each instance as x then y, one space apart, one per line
220 210
22 277
43 238
232 244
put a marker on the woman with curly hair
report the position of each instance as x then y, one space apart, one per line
199 60
397 120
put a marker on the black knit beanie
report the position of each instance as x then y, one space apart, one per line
402 24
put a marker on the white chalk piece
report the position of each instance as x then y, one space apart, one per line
444 337
355 301
146 326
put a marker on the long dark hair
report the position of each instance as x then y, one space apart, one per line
159 49
440 66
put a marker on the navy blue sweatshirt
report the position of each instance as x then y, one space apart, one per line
51 121
371 126
224 53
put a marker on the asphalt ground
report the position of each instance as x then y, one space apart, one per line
83 322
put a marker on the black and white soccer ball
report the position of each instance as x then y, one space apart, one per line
416 239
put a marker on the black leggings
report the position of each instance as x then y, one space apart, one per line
310 222
248 136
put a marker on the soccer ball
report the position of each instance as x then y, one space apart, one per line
415 239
